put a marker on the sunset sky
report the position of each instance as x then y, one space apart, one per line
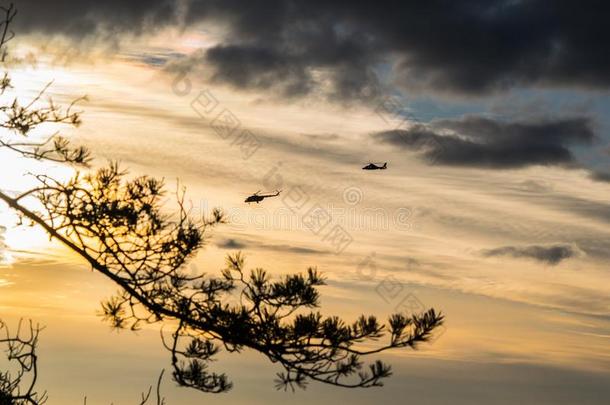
493 117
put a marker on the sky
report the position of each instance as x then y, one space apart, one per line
493 118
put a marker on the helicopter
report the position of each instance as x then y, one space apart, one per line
257 198
373 166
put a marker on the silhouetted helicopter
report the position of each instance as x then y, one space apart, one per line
373 166
257 198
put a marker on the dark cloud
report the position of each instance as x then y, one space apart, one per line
552 255
253 244
600 176
230 244
468 47
155 59
483 142
79 18
258 67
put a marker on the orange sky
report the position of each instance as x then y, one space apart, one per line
425 228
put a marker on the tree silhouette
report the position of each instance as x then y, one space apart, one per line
20 349
118 226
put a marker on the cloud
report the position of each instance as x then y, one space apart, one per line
551 255
600 176
597 247
475 141
230 244
475 47
282 248
258 67
81 18
157 58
